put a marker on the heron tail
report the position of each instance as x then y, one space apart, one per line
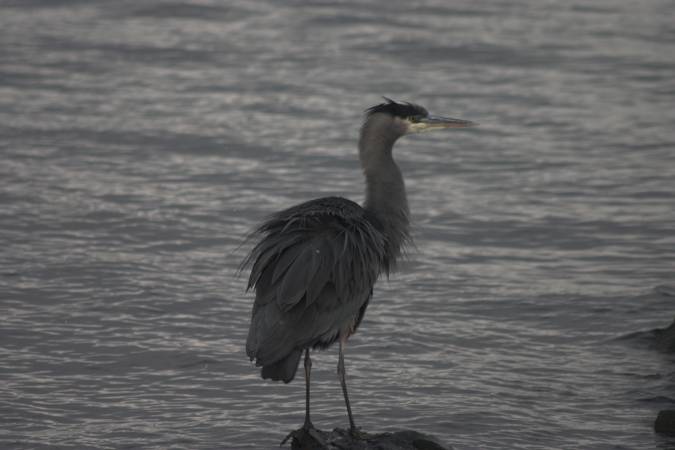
284 369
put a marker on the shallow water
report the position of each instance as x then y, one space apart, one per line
141 142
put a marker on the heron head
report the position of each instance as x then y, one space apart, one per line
407 118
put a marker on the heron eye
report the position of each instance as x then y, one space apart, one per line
414 119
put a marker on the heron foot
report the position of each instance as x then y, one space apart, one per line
306 437
356 433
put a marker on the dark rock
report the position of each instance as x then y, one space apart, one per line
665 422
665 338
340 439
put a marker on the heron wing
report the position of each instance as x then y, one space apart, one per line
312 271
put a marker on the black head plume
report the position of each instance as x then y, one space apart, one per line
403 110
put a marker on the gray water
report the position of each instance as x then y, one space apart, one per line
141 141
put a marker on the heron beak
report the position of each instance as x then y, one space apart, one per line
430 123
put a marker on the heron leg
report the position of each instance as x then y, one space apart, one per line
308 369
341 375
308 435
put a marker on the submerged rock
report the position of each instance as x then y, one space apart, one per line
665 422
665 338
341 439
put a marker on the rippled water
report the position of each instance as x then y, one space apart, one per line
142 140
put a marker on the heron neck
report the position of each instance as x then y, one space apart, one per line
385 191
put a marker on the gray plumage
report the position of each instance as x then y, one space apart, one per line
315 265
313 273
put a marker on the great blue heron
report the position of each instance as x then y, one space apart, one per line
314 268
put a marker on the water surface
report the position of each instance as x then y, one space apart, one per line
142 141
